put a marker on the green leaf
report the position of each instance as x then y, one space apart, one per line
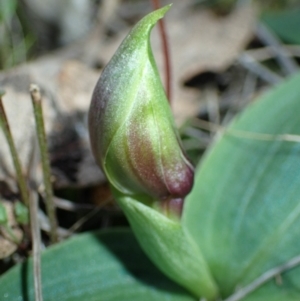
99 266
244 210
285 24
169 247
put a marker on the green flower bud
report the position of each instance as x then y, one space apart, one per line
132 131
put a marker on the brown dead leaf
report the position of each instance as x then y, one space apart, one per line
75 82
66 90
199 41
202 41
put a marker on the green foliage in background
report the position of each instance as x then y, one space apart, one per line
15 41
285 24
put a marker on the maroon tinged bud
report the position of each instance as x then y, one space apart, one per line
132 130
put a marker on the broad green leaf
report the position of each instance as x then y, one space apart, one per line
169 247
285 24
103 266
244 209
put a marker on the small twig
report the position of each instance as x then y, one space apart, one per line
245 134
252 65
82 220
71 206
294 50
248 89
16 160
265 277
207 125
261 54
213 108
85 218
40 128
266 53
288 65
34 160
166 51
263 136
45 225
36 243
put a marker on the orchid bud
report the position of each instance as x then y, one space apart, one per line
132 131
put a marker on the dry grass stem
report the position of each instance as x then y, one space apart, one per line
45 225
85 218
259 70
40 129
71 206
267 276
266 53
36 243
282 55
209 126
15 157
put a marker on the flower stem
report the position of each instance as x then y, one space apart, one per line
166 51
